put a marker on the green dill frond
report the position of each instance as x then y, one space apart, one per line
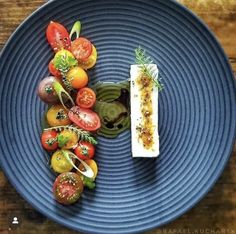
82 134
144 61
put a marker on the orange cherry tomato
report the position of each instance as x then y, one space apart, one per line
77 77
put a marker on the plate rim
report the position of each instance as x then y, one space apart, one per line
195 201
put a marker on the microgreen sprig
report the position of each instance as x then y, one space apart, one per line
63 63
144 61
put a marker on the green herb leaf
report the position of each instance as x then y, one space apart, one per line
64 63
144 61
75 29
62 140
88 182
72 62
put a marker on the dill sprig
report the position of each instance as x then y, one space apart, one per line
82 134
144 61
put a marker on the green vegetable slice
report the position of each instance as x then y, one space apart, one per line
88 171
63 96
75 29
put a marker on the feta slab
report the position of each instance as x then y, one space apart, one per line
144 113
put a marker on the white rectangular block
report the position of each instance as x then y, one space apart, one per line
144 113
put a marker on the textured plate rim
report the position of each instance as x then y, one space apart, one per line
194 201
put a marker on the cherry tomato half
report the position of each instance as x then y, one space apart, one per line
85 150
68 187
58 37
49 140
84 118
86 98
53 70
81 48
90 61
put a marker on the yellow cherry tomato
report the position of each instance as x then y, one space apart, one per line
92 164
57 115
59 163
77 77
91 61
67 139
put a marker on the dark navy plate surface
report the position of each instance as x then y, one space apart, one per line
196 113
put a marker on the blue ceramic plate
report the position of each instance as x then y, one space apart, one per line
196 113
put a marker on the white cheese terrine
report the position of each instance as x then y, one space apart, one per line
144 113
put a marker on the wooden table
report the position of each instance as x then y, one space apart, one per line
216 213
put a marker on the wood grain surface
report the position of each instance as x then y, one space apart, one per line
216 213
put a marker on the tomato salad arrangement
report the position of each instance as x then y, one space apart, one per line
70 118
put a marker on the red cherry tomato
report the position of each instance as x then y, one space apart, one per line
84 118
85 150
53 70
58 37
86 98
49 140
68 187
81 48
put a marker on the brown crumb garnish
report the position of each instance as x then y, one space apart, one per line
145 130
